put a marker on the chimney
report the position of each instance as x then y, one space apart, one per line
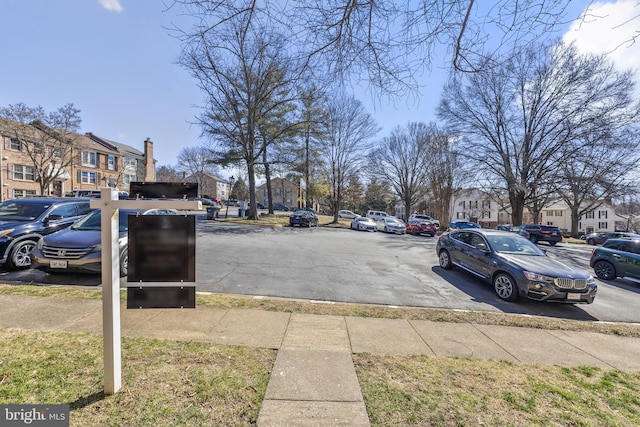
149 163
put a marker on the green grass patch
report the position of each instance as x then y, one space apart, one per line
165 383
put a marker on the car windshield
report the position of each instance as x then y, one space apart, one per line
514 245
17 211
91 222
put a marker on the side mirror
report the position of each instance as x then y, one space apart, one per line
482 247
52 217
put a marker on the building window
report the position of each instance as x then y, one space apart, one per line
602 225
57 152
23 173
590 215
89 158
88 177
23 193
111 163
602 214
128 178
15 145
130 161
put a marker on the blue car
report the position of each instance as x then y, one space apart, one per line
457 225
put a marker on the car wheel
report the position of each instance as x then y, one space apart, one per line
591 242
21 255
553 243
533 238
415 232
445 260
124 264
506 287
431 235
605 270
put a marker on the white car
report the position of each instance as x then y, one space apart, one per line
392 225
425 218
347 214
363 223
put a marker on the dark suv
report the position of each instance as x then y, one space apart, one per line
617 258
541 233
24 221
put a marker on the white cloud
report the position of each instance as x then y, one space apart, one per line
610 28
113 5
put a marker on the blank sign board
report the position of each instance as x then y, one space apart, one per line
162 248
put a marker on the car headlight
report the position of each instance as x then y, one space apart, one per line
40 243
535 277
96 248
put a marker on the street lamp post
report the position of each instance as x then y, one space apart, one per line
231 179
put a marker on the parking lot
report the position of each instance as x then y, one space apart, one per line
340 265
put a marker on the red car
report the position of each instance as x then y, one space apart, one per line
418 226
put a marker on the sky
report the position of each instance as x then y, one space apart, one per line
116 62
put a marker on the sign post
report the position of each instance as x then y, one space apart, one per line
109 206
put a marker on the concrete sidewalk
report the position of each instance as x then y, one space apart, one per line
313 381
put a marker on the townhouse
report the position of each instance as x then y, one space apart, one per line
89 162
284 192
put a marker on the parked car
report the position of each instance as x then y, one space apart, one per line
376 215
78 248
363 223
617 258
425 218
303 218
506 227
347 214
233 202
598 238
24 221
392 225
280 207
515 266
457 225
419 226
541 233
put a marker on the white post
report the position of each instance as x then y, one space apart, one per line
110 291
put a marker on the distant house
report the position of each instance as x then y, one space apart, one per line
600 219
284 192
211 185
476 206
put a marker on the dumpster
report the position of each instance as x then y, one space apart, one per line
212 212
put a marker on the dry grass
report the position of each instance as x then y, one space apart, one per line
424 391
165 383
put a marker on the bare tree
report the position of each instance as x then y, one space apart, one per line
241 68
403 160
347 130
389 42
166 173
446 174
196 162
603 171
47 139
515 120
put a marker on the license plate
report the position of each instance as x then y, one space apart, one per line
58 263
573 295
